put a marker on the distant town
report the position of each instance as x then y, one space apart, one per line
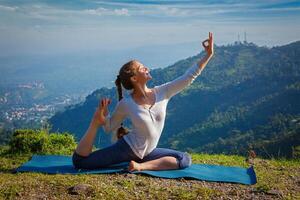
27 105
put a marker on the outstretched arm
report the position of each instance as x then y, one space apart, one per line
173 87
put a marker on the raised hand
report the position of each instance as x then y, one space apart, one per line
101 112
208 44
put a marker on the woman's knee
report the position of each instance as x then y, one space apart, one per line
185 161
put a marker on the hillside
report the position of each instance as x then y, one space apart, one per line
248 97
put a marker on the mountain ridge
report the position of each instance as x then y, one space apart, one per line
237 76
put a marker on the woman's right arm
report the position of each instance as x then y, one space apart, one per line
112 122
177 85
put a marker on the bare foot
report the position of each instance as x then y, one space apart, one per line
134 166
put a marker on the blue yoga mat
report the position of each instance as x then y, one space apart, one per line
52 164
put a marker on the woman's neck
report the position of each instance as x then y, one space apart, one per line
141 91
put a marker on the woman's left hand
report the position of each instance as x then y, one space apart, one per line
208 44
101 112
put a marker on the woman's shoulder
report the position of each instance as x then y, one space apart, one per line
123 105
124 101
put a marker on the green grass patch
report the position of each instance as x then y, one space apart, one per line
273 175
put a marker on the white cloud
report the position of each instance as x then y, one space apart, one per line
104 11
57 14
171 11
282 9
99 11
43 27
8 8
122 11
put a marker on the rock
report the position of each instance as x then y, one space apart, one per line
129 175
273 192
85 189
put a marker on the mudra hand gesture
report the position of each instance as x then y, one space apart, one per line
101 112
208 44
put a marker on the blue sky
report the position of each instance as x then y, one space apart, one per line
56 26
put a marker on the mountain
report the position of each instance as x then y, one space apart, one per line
248 97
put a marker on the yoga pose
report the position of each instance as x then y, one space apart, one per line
146 108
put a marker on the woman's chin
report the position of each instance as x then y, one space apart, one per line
148 77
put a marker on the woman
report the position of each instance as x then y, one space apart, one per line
146 108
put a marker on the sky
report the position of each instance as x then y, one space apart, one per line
70 26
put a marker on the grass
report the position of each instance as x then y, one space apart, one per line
277 179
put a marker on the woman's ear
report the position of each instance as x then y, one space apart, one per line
133 78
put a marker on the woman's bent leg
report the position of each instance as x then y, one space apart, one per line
116 153
85 145
163 163
162 159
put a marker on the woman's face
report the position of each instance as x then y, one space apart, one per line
142 73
